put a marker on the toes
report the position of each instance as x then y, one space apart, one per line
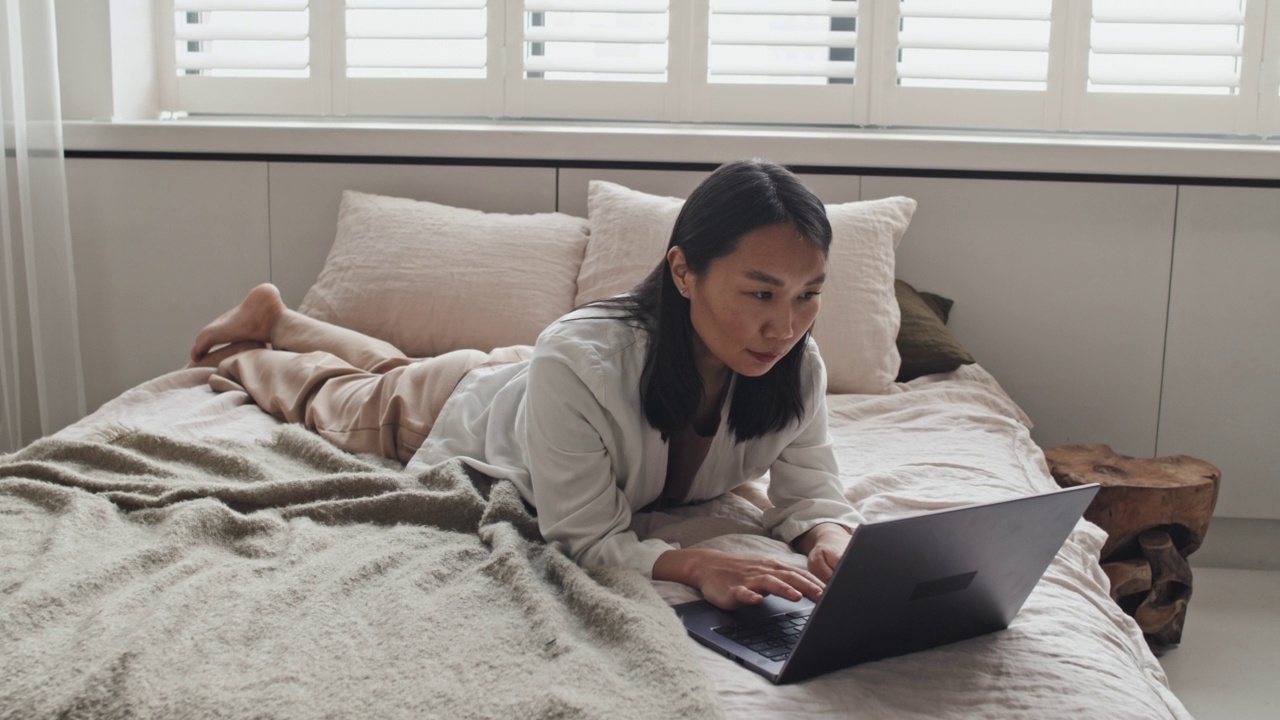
202 346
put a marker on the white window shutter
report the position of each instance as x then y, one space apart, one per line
242 56
1166 48
968 63
802 55
1147 66
419 57
1189 66
595 59
416 39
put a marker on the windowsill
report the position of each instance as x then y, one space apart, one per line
658 144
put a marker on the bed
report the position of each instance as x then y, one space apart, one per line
179 552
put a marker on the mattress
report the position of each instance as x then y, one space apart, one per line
946 440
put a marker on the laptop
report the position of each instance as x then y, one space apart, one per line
905 584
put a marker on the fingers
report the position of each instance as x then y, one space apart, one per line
746 596
822 564
738 580
788 582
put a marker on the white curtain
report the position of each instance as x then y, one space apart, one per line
41 376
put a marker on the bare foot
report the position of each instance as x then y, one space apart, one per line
213 358
249 322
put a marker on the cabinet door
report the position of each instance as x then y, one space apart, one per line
1060 292
160 247
1221 388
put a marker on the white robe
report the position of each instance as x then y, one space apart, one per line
568 428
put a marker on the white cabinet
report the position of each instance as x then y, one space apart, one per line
1222 369
160 247
1063 290
1060 292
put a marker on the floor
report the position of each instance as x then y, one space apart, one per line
1228 664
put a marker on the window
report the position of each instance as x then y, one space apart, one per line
241 56
959 63
1176 66
780 61
600 59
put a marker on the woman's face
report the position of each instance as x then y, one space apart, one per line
750 307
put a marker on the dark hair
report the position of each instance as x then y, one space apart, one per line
734 200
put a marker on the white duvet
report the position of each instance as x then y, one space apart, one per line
947 440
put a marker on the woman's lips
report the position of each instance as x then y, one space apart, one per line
765 357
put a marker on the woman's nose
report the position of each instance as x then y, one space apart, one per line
780 324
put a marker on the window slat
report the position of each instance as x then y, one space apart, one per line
825 8
415 4
786 38
597 6
1148 45
273 59
949 41
602 35
976 9
1168 13
827 69
974 72
240 5
207 32
405 61
1135 77
595 65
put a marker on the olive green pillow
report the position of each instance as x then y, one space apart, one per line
924 342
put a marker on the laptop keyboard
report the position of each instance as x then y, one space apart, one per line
772 637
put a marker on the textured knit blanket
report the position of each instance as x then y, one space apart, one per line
150 577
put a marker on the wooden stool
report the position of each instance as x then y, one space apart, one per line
1156 512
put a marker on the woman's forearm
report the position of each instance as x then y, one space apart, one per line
805 543
678 566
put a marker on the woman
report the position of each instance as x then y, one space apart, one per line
701 378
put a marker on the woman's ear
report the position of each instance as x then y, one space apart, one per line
679 270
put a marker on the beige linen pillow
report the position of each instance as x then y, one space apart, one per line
629 235
432 278
858 325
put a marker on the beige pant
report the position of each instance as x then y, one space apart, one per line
358 392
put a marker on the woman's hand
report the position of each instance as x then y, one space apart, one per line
729 580
824 545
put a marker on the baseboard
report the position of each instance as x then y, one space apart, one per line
1240 543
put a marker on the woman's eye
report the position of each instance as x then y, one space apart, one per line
810 295
762 295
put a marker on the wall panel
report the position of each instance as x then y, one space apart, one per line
161 247
1061 292
1221 393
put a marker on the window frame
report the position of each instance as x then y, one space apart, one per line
875 99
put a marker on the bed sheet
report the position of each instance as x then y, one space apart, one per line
947 440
